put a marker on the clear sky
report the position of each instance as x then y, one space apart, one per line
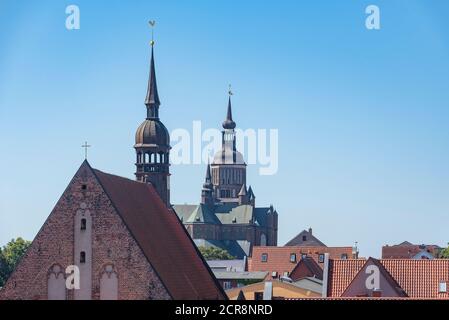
363 115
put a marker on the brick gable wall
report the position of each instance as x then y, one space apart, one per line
112 243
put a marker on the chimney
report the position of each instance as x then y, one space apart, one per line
310 231
325 275
355 251
268 291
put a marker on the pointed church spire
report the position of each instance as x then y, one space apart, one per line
251 197
243 190
207 191
208 180
208 172
243 198
152 99
250 193
229 123
152 141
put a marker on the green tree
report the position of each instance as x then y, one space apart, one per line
213 253
444 254
2 269
10 255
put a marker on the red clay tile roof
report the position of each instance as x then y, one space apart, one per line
162 238
341 273
279 257
407 251
398 291
306 267
418 278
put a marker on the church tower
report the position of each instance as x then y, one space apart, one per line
228 167
153 143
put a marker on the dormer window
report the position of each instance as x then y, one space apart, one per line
442 287
293 257
264 257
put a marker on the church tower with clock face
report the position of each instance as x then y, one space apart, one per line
153 143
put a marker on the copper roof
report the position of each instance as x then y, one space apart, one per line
152 133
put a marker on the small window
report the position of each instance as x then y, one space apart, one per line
82 257
264 257
321 258
344 256
274 274
293 257
84 187
83 224
442 287
303 255
304 238
258 295
286 273
227 285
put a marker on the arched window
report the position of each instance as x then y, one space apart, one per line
82 257
83 224
139 157
263 239
109 284
56 283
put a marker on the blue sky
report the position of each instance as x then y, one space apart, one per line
363 115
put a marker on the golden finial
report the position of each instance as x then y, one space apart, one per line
230 91
152 23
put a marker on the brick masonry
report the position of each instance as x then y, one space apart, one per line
112 243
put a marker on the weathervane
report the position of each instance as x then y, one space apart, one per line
230 91
152 23
85 146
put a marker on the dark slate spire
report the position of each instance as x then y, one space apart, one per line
251 197
152 99
229 123
207 196
243 199
250 193
208 180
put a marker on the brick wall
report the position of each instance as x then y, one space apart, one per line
111 244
